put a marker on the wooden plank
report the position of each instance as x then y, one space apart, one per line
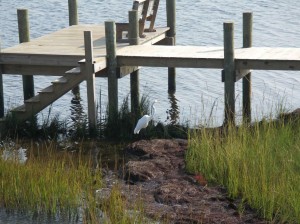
171 56
209 57
11 69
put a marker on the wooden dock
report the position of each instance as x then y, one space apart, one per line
58 52
257 58
83 52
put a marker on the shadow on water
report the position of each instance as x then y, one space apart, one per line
173 112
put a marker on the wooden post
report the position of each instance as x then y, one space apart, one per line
73 20
229 68
110 36
73 15
247 42
1 92
90 80
171 23
133 36
23 24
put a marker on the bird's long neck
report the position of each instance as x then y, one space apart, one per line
153 110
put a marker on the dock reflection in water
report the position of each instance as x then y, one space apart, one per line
173 112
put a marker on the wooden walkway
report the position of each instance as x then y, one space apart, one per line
57 52
260 58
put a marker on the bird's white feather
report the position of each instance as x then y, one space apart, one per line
144 121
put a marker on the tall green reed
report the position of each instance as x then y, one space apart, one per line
260 164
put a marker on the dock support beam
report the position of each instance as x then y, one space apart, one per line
110 36
73 20
229 68
90 81
23 24
247 42
133 36
171 23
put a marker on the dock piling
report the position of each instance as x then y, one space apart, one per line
24 36
171 23
73 15
73 20
1 92
90 80
133 35
247 42
111 54
229 69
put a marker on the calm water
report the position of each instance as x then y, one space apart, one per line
199 92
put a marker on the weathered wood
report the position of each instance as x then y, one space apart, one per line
147 10
171 22
110 34
73 15
247 42
229 68
134 76
171 18
37 70
73 20
261 58
64 47
165 41
172 74
90 80
1 92
152 15
23 24
239 74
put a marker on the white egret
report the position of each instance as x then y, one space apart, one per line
144 121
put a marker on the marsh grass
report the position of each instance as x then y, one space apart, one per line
259 164
56 182
50 183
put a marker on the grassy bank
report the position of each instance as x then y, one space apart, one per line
56 182
259 164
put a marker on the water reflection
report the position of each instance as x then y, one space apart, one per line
78 116
173 112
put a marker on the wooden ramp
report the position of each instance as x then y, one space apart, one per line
261 58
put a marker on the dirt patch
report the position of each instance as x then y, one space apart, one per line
156 174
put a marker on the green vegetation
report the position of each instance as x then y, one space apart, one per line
259 164
49 183
60 182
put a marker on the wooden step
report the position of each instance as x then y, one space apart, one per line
74 71
35 99
61 80
48 89
20 109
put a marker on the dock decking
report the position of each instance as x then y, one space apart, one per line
259 58
57 52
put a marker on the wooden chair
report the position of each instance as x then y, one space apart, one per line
147 10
